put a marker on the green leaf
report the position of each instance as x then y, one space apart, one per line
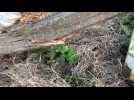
62 59
71 52
65 53
52 55
72 60
64 49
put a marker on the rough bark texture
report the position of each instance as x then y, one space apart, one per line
18 38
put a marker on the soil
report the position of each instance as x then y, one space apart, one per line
101 62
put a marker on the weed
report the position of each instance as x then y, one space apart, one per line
65 54
49 55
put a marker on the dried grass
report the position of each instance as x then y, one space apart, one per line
99 54
100 62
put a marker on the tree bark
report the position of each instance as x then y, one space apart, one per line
18 38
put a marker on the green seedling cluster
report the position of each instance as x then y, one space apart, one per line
65 54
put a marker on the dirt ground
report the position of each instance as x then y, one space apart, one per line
101 52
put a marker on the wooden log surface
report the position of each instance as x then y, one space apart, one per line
18 38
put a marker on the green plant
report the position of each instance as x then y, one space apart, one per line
65 54
127 27
127 23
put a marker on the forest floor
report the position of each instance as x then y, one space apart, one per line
101 62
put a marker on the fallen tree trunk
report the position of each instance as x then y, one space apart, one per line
52 27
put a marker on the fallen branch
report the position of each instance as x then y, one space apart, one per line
54 42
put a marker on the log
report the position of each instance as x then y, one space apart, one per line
18 38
